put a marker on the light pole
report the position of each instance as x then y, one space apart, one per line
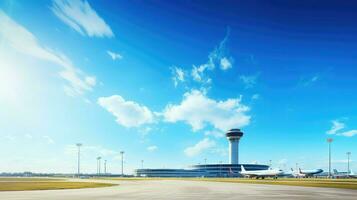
98 164
348 162
296 168
329 141
142 164
105 166
79 158
122 163
269 163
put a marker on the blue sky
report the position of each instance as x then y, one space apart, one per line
163 81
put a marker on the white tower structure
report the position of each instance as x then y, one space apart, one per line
233 137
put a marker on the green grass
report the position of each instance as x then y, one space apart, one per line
24 179
23 184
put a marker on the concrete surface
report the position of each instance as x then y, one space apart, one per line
180 189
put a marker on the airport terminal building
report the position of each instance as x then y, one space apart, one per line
209 170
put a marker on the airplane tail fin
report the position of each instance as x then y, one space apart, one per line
242 168
335 171
292 169
352 173
300 170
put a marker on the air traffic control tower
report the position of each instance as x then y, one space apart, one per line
233 137
231 169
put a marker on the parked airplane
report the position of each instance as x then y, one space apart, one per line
305 173
349 174
261 173
310 173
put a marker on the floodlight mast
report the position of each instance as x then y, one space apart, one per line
329 141
348 162
122 162
105 166
98 164
79 158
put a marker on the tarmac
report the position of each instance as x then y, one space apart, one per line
183 189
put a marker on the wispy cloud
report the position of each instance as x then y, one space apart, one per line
215 133
198 148
81 17
48 139
225 63
349 133
249 81
28 136
218 57
255 96
23 41
307 81
152 148
197 109
178 75
114 56
10 137
127 113
337 128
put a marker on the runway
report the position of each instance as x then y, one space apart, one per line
181 189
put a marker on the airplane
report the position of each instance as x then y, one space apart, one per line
261 173
305 173
310 173
349 174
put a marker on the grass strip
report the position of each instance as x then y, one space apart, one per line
51 185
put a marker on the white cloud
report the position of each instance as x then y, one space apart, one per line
178 75
127 113
308 81
23 41
48 139
145 130
198 75
336 126
197 109
249 81
114 56
255 96
214 133
226 63
198 148
349 133
152 148
80 16
218 57
10 137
